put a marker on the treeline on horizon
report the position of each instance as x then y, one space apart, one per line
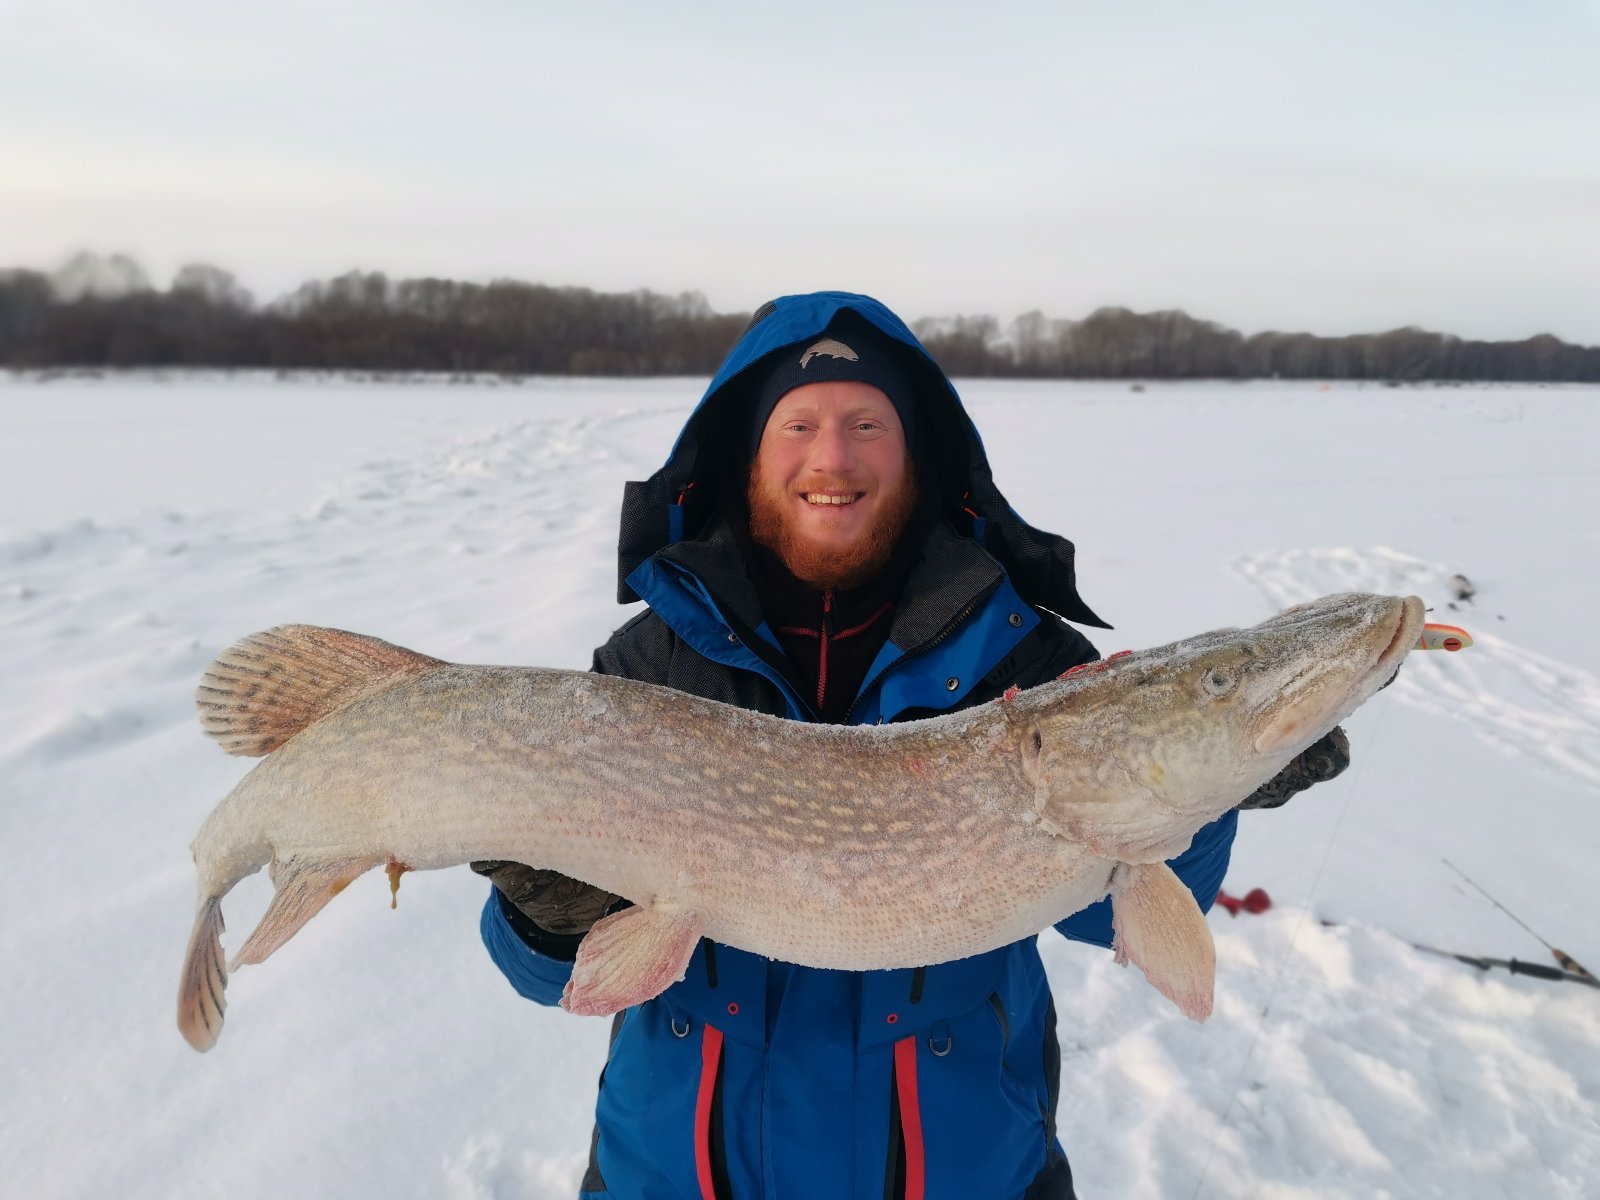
103 312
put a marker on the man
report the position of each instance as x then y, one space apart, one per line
825 542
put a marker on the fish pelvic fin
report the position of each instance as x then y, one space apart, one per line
630 957
304 887
262 691
1160 929
204 980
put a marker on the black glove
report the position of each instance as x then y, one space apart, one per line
1325 759
550 900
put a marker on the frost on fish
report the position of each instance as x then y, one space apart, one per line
830 846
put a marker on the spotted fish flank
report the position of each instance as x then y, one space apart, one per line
705 816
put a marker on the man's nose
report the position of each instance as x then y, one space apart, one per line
832 451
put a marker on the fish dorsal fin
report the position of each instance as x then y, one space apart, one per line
263 690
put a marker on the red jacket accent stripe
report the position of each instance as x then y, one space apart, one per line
905 1075
710 1057
867 624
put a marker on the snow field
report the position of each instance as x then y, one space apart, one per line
145 524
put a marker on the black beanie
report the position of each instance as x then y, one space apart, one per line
850 350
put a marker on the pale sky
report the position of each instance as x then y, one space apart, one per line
1337 167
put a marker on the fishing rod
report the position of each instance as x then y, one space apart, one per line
1257 901
1515 966
1568 963
1484 963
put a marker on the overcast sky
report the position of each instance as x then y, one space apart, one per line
1337 167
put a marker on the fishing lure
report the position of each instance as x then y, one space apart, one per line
1443 637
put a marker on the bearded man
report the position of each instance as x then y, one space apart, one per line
826 543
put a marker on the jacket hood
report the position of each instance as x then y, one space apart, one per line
709 458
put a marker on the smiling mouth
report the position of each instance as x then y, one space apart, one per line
831 499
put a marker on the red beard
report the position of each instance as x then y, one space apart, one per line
823 566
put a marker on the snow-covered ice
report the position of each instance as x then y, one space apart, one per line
147 522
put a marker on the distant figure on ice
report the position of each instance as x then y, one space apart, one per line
826 543
1461 587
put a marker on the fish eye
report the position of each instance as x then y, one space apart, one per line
1217 682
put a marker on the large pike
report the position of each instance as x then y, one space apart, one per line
831 846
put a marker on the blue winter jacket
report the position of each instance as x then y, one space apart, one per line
753 1078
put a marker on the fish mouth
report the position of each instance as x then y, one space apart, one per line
1320 712
1407 628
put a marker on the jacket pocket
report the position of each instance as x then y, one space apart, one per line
962 1122
654 1110
1015 1083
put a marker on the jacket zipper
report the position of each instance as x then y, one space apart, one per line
822 660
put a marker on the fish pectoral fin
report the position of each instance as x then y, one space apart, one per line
630 957
1161 930
200 990
304 886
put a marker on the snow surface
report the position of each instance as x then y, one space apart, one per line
147 522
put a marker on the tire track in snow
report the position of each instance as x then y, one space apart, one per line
1522 702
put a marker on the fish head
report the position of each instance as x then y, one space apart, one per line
1316 663
1178 734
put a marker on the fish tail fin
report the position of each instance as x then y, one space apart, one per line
204 979
304 887
263 690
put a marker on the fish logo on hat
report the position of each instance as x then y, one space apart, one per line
829 347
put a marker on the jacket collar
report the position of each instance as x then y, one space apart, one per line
950 577
946 579
959 616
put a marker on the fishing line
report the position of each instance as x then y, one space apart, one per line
1284 961
1568 963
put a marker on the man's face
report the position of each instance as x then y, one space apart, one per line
832 486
